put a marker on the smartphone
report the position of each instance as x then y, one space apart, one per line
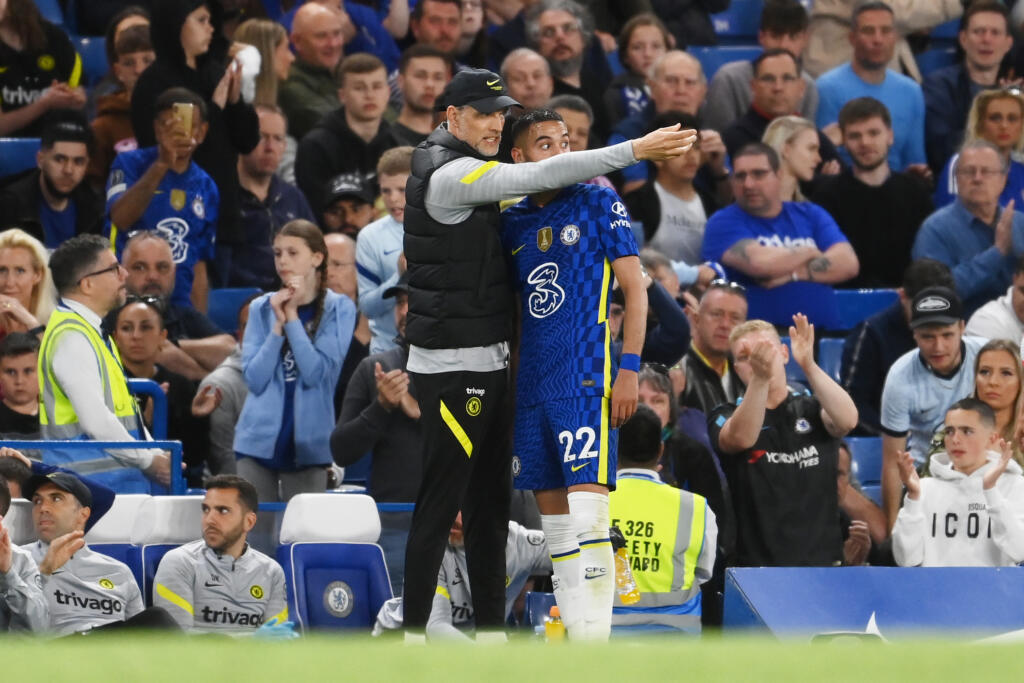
183 112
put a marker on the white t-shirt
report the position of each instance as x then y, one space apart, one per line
681 230
915 399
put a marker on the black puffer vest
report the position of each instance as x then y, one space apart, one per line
459 290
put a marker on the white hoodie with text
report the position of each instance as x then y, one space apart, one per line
956 523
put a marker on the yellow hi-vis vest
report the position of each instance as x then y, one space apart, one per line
57 418
670 537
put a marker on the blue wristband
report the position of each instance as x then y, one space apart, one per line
630 361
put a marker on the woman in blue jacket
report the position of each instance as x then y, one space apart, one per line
295 343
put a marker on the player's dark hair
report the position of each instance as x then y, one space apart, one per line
12 470
783 17
988 417
869 6
861 109
984 7
421 50
73 259
65 125
774 52
523 123
640 438
5 495
924 273
247 495
18 344
314 239
168 98
758 149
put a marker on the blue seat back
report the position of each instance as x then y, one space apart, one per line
93 52
17 154
130 554
830 356
334 585
713 58
740 22
359 471
933 60
794 373
857 304
274 10
866 452
873 492
223 306
51 11
947 32
538 606
150 560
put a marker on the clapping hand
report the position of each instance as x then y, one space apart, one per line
60 551
801 337
996 471
908 474
206 401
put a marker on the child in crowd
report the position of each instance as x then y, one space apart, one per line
19 409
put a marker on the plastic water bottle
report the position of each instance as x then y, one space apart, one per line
554 629
625 584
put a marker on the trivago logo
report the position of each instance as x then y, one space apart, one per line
106 606
225 616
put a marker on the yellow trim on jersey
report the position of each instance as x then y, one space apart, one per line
441 590
76 73
602 458
693 550
113 238
457 430
478 173
281 616
602 317
173 598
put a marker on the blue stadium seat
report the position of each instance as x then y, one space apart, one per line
538 606
794 373
162 524
223 306
93 52
947 32
867 458
112 534
933 60
857 304
51 11
359 471
335 573
713 58
830 356
614 63
273 10
873 493
740 22
17 154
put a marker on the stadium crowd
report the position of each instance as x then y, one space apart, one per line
286 158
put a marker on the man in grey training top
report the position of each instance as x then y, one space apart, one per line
459 324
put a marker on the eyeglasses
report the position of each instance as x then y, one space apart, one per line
721 283
567 28
115 267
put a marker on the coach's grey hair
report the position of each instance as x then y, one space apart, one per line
1004 162
519 53
586 21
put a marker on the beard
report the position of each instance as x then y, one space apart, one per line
418 108
563 68
872 166
52 189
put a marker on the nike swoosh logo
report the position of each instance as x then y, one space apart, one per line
595 575
211 585
392 251
518 249
577 468
494 82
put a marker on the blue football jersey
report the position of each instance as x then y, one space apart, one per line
561 255
183 210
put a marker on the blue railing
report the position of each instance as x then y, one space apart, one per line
177 487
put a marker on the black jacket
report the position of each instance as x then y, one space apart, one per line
332 148
393 438
234 130
704 389
21 196
460 294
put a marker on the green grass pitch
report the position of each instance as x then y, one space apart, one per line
121 659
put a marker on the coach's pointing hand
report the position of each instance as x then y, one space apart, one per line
664 143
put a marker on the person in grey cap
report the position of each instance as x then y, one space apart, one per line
83 589
923 383
459 324
22 604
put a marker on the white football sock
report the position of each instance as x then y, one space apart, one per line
589 513
560 535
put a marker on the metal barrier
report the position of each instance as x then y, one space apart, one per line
177 487
148 387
